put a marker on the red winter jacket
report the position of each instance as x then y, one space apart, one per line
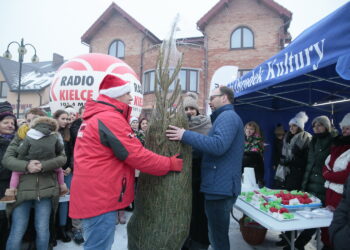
106 155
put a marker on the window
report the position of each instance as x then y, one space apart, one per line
148 82
188 80
117 49
3 89
242 37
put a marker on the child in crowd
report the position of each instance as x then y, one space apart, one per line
134 123
41 143
72 114
253 151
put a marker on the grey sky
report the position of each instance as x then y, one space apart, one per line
57 25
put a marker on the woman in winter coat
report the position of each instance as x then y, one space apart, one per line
313 181
61 117
198 236
141 133
38 188
339 230
336 170
253 151
294 154
8 127
41 143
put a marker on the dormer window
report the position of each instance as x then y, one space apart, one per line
117 49
242 38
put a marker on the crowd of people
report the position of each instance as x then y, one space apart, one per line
95 156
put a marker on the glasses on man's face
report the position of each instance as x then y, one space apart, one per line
211 98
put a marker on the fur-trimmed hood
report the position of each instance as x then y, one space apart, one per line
46 125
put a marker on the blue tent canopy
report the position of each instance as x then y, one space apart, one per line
313 69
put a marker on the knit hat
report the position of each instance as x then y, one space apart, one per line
346 121
113 86
324 121
300 119
190 100
133 119
6 110
70 110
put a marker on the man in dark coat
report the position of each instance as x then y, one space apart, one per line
221 169
339 229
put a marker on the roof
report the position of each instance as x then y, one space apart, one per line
286 14
191 40
113 8
35 76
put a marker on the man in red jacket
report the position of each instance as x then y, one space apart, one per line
106 154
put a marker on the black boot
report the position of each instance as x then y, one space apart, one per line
304 238
77 236
62 234
283 242
52 240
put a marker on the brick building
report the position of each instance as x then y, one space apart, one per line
242 33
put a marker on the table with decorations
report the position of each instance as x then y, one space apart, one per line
283 211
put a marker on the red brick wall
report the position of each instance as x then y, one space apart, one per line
264 22
193 57
119 28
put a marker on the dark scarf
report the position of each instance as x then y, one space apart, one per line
8 137
322 135
217 112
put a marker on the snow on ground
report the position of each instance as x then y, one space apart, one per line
236 240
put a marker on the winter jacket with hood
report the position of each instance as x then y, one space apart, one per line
313 181
294 156
34 186
106 154
5 174
337 165
42 141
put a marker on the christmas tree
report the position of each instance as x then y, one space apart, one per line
162 211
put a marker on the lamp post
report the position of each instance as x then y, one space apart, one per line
21 52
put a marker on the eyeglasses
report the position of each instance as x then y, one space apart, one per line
213 97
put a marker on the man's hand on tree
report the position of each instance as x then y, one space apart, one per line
175 133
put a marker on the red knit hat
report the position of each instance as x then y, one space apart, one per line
114 86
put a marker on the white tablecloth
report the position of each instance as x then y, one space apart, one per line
299 223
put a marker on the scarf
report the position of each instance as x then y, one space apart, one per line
8 137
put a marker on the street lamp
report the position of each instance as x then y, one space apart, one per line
21 52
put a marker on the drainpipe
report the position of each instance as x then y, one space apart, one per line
206 81
40 98
142 56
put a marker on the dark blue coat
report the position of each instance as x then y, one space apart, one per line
222 152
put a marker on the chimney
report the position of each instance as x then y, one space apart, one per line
57 59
